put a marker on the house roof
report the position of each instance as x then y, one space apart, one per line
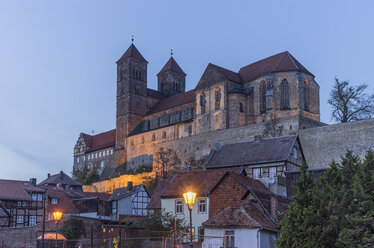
60 178
277 63
17 190
155 201
100 141
201 182
132 52
245 214
65 200
229 75
171 65
252 152
173 101
123 192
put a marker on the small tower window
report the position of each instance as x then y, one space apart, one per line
202 103
241 107
285 95
142 140
131 142
153 137
137 74
217 98
263 97
137 90
164 135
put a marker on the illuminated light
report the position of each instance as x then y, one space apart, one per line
57 215
189 198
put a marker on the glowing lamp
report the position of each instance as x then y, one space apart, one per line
57 216
189 198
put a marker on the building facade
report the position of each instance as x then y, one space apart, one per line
146 119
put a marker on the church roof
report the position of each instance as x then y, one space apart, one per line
100 141
171 65
277 63
229 75
132 52
173 101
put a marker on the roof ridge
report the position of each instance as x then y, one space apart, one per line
248 216
280 59
293 60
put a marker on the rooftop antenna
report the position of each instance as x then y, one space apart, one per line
171 52
132 39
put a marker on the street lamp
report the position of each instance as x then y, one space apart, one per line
189 198
57 217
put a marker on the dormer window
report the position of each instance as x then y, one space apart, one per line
54 201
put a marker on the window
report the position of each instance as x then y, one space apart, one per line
114 207
99 154
142 140
202 206
306 96
34 197
102 164
111 152
40 197
178 206
32 220
202 103
164 135
230 239
77 159
263 97
95 155
257 173
84 158
153 137
24 204
19 204
137 90
217 98
295 152
190 130
241 107
137 74
272 172
54 201
285 98
19 219
131 142
149 105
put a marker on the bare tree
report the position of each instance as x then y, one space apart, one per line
350 103
272 128
166 163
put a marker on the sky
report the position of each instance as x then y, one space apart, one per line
58 71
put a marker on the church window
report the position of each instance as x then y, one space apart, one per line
131 142
263 96
99 154
149 105
137 89
164 135
123 74
142 140
137 74
217 98
306 96
189 130
153 137
202 103
241 107
77 159
95 155
285 95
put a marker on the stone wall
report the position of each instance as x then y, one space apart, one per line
21 237
321 145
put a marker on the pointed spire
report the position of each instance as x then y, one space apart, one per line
172 65
132 52
171 53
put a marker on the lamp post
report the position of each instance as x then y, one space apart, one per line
189 198
57 217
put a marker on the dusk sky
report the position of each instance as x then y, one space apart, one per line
58 71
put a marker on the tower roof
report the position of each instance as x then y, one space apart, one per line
171 65
132 52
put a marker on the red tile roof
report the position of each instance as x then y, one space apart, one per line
246 214
201 181
100 141
17 190
277 63
132 52
173 101
171 65
65 200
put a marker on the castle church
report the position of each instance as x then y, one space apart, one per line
225 106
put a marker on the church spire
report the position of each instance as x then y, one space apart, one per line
171 78
132 52
172 65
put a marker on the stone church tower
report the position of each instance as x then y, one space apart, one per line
171 79
131 93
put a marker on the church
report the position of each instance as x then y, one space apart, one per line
225 106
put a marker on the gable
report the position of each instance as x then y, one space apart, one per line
210 77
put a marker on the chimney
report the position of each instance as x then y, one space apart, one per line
61 174
48 175
129 186
33 181
274 205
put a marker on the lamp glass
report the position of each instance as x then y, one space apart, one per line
57 215
189 198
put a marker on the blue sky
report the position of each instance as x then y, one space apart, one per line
57 59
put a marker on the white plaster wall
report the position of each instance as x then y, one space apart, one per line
244 238
213 238
197 218
124 205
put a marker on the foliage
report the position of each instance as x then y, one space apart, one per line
337 212
272 128
167 163
73 229
140 169
350 103
161 221
196 163
87 176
